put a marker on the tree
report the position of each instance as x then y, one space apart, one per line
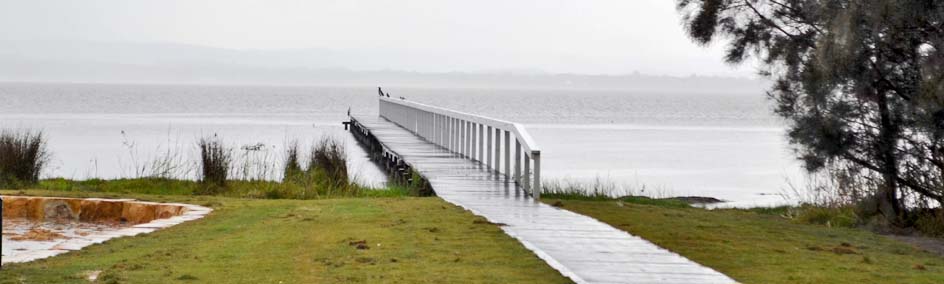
860 83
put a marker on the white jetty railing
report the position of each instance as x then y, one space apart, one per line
471 137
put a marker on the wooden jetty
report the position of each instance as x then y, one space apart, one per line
467 160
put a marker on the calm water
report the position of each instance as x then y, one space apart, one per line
721 145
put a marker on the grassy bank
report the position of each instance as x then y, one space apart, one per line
363 240
233 188
761 246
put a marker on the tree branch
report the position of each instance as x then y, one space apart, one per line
908 183
768 21
798 12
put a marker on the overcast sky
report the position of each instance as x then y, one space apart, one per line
579 36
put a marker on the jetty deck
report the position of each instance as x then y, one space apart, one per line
581 248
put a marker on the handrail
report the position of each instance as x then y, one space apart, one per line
464 134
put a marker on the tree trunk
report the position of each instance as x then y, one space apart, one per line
889 204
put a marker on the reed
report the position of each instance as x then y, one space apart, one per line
255 162
293 167
599 188
165 162
215 162
329 157
23 155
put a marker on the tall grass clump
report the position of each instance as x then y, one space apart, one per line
23 155
293 167
598 189
325 175
165 162
328 157
215 162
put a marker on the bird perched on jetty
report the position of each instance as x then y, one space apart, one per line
381 92
402 98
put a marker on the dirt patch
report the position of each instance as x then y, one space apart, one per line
696 199
362 244
38 234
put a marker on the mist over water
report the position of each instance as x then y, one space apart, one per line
722 145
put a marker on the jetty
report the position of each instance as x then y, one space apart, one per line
492 168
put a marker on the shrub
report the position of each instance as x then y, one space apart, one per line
22 157
329 158
419 186
215 163
831 216
292 166
930 222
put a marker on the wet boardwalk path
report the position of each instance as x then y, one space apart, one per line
580 247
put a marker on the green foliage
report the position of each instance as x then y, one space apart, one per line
830 216
325 177
22 157
329 158
160 186
410 240
776 211
574 192
419 186
930 222
762 246
662 202
293 168
298 189
860 81
215 163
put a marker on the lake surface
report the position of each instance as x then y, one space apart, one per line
722 145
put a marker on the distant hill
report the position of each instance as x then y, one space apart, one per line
106 62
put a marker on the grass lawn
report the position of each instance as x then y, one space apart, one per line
753 246
409 240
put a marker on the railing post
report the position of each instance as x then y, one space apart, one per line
474 127
453 123
419 122
497 150
527 173
434 123
481 144
488 155
467 139
507 155
517 176
455 137
538 187
426 125
449 133
442 131
462 137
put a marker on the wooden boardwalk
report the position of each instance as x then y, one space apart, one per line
580 247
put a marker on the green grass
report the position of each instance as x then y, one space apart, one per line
234 188
411 240
761 246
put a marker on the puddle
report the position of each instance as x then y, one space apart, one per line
40 227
